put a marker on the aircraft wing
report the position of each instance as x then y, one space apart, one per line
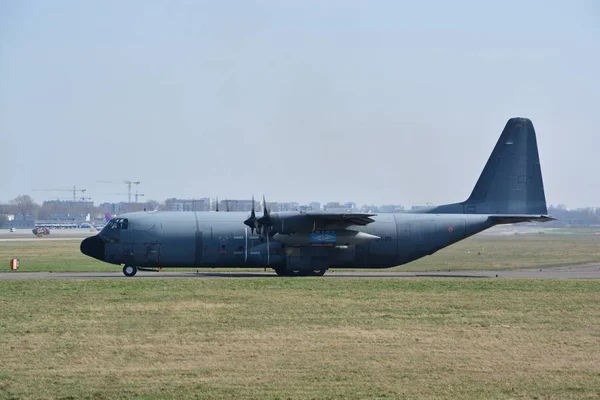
313 221
347 219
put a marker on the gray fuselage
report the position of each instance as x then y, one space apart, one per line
220 239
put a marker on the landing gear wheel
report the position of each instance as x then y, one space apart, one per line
282 271
318 272
129 270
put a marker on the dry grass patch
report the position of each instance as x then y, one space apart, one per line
300 338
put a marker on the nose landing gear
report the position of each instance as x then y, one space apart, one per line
129 270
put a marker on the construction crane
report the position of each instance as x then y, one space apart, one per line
129 184
74 191
136 195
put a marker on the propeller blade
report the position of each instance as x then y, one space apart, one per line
252 221
265 210
265 219
253 216
268 251
263 224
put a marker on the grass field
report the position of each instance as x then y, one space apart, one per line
300 338
478 252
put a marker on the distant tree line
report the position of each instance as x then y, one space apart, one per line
579 217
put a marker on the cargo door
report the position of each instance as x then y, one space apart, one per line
145 239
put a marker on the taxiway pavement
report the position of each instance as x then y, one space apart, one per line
587 271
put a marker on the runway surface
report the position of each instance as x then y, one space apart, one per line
40 240
25 235
586 271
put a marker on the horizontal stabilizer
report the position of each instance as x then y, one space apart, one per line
513 219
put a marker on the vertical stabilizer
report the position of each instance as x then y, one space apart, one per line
511 182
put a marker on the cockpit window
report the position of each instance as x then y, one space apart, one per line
118 223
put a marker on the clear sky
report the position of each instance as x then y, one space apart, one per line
371 101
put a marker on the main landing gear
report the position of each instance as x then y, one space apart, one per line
282 271
130 270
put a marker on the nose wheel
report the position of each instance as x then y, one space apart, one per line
129 270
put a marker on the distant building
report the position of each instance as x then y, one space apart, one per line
68 203
350 206
391 208
174 204
74 217
332 205
422 207
288 206
121 207
369 209
336 206
112 208
21 221
236 205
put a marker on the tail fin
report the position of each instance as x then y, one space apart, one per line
511 182
107 216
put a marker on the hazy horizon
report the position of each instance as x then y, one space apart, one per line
373 102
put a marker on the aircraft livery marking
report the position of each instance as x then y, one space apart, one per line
323 237
450 229
223 245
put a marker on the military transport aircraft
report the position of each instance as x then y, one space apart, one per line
509 190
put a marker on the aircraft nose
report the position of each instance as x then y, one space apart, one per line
93 247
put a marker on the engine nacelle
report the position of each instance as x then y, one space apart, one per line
325 238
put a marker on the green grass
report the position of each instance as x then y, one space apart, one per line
511 252
46 255
280 338
478 252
